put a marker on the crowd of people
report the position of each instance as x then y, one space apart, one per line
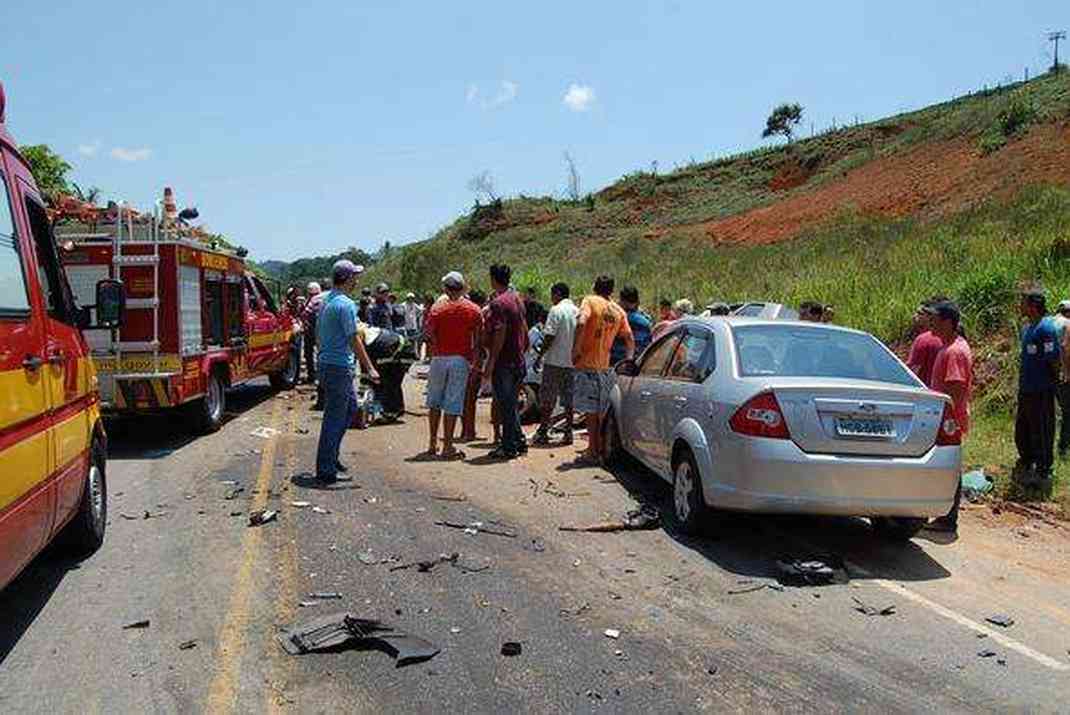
480 344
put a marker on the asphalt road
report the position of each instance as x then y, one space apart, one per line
695 634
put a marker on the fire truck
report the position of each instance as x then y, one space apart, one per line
197 322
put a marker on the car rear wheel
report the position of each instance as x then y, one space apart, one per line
688 505
897 528
85 532
286 378
208 411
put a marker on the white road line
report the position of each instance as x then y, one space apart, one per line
962 620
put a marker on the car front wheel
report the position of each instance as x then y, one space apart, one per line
85 532
688 506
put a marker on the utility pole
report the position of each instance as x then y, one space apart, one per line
1054 37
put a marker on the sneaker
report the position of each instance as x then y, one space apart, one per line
541 439
342 469
502 454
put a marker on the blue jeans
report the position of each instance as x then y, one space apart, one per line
506 384
339 406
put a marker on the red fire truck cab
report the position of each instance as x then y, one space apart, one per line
196 323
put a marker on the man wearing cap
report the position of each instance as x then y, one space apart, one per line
927 344
952 374
380 314
1038 377
453 329
414 319
1062 321
338 342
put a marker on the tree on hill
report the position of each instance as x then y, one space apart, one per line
783 120
483 184
48 168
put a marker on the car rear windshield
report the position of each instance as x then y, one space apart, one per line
798 351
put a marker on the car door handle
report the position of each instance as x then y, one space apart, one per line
679 400
32 362
645 394
57 358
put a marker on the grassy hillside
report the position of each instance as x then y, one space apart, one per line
969 198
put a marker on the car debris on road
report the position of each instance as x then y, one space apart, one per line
868 610
1001 620
137 625
793 571
476 527
333 631
262 516
644 518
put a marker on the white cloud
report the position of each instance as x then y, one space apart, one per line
124 154
89 149
579 97
507 91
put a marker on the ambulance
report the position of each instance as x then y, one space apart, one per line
52 442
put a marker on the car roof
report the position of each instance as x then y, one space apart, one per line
734 321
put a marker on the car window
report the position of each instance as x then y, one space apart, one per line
794 351
657 356
14 300
58 297
251 297
750 310
693 360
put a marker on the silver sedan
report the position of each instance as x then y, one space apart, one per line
786 417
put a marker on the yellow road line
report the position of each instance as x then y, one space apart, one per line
231 639
286 595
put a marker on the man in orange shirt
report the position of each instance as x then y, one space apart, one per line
600 322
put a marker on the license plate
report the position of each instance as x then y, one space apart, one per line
865 427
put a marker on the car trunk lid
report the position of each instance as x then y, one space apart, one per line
873 419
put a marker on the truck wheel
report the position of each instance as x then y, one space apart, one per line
897 528
688 505
85 532
207 412
286 378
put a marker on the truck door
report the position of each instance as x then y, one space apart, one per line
67 369
272 319
260 324
26 495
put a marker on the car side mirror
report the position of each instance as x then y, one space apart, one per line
627 368
111 303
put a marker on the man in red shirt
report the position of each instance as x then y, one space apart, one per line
452 330
952 374
927 344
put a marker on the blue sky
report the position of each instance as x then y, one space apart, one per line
302 128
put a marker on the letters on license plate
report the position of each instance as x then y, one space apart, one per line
865 427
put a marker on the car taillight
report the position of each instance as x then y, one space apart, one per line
760 417
950 432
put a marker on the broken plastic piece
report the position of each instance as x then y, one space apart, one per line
136 624
811 572
320 510
612 633
1000 619
187 645
476 527
868 610
429 564
324 595
300 504
511 649
334 631
261 516
233 494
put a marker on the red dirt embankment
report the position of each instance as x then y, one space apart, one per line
930 180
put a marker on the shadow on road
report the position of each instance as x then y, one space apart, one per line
750 544
25 597
155 436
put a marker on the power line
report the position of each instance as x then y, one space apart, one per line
1054 37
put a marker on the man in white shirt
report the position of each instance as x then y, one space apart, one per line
414 320
555 354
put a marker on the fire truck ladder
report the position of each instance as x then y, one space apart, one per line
120 259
